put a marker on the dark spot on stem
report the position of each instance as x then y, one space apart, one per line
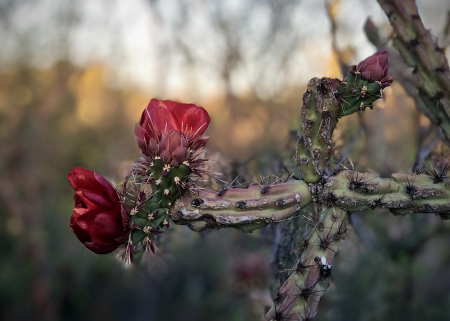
414 42
241 204
197 202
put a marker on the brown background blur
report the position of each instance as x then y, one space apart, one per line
74 79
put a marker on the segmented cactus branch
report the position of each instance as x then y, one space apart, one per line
325 101
351 191
401 193
149 210
164 181
345 192
318 120
244 208
421 51
334 194
298 297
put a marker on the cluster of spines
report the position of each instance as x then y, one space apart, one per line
438 175
265 183
308 277
148 193
376 203
416 186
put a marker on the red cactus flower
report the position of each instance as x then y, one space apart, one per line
162 116
375 68
98 220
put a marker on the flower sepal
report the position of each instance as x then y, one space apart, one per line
140 222
137 236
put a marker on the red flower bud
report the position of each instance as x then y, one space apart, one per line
375 68
98 220
162 116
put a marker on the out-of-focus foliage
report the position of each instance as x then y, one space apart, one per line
61 115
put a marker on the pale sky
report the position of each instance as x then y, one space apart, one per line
139 46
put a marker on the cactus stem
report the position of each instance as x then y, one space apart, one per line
348 190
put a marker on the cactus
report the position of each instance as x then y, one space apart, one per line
170 137
163 182
334 193
318 120
348 190
148 194
298 297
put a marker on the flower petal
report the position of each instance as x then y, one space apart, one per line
110 190
375 73
162 120
84 178
105 227
192 119
375 67
94 199
142 136
180 154
102 248
82 235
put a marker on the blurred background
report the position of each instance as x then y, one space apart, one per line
74 79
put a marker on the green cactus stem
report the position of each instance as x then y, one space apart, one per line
345 192
324 102
243 208
351 191
298 297
150 191
318 120
357 94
